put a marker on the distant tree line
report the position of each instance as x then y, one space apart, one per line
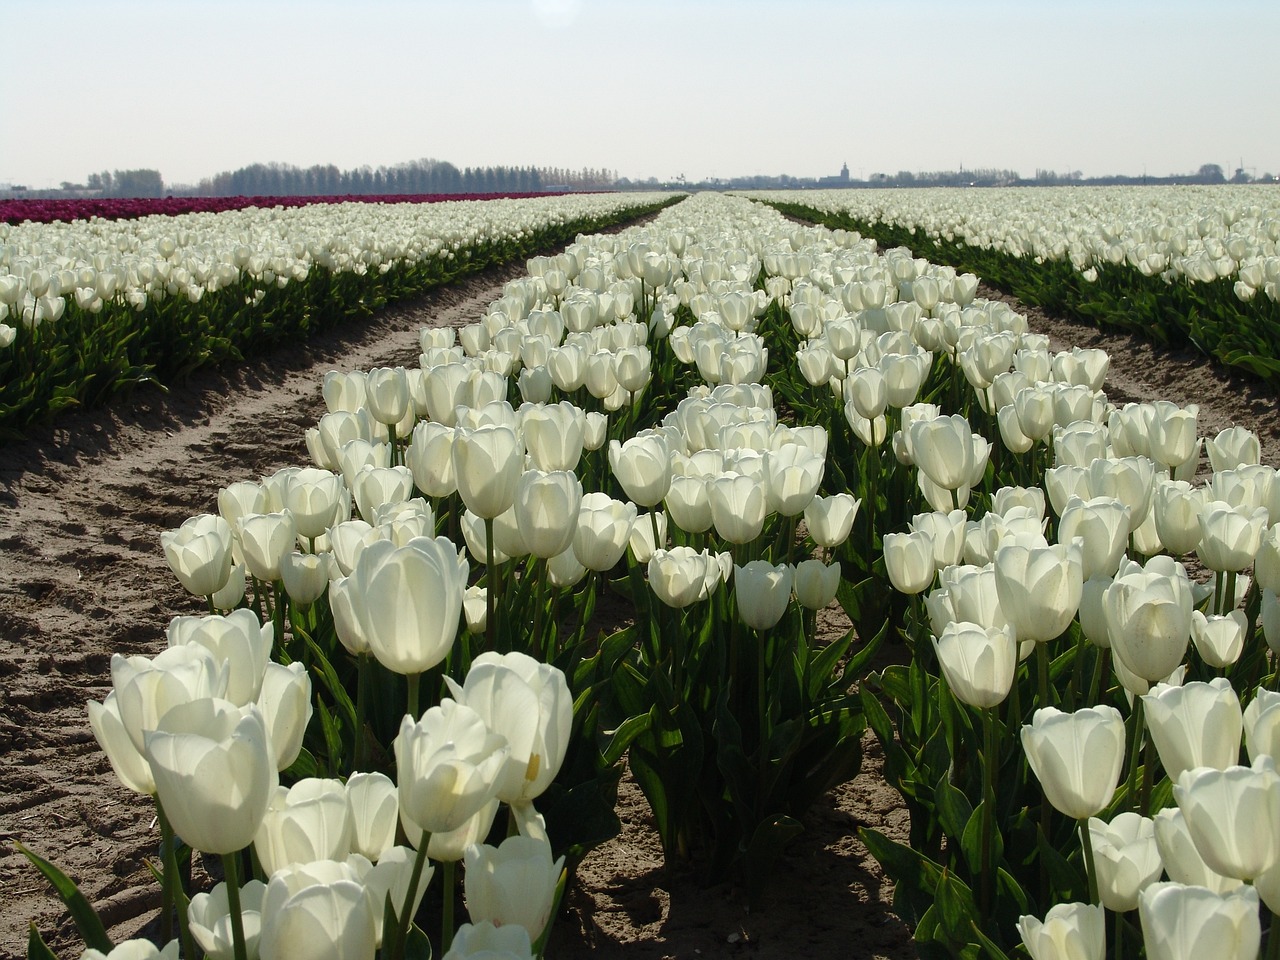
416 176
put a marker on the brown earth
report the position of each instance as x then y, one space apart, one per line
82 576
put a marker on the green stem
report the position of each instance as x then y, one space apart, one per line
446 930
491 588
405 920
277 618
362 708
1229 594
1273 940
1090 870
658 542
1135 742
1042 676
231 870
174 898
990 766
1117 942
413 680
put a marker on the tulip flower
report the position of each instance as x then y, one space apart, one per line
429 458
943 450
209 916
829 520
487 463
643 466
1182 861
816 583
1039 588
1126 857
554 434
127 761
1069 931
488 941
947 531
1194 725
214 772
514 883
546 511
528 703
1262 724
305 822
1230 537
237 640
603 531
678 576
317 911
387 394
313 497
909 561
135 950
285 702
1103 526
1232 448
448 766
688 504
199 554
1233 815
762 590
1077 757
978 662
1149 620
146 690
408 601
372 809
792 476
265 539
1185 923
1219 638
1177 507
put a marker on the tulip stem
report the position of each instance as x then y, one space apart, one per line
1273 939
231 871
658 542
990 766
491 587
1135 745
414 681
405 920
1117 942
174 898
1229 594
362 708
1090 871
446 929
1042 675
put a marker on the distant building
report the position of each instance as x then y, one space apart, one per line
841 180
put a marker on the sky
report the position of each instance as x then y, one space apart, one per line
649 88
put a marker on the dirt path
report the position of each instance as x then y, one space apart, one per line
82 576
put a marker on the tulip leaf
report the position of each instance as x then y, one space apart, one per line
971 841
37 949
417 946
622 737
321 665
953 807
1067 882
957 910
86 918
860 660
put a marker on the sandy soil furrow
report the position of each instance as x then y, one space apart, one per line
82 576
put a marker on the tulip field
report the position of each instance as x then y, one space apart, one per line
90 309
1189 267
392 718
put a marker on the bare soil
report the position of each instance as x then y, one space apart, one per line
82 575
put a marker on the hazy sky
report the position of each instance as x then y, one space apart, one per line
646 87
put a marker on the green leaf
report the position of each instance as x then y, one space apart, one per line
971 841
417 946
953 807
957 910
86 918
37 949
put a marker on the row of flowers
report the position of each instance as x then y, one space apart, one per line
131 208
1190 267
442 530
91 308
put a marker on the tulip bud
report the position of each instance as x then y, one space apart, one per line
1077 757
